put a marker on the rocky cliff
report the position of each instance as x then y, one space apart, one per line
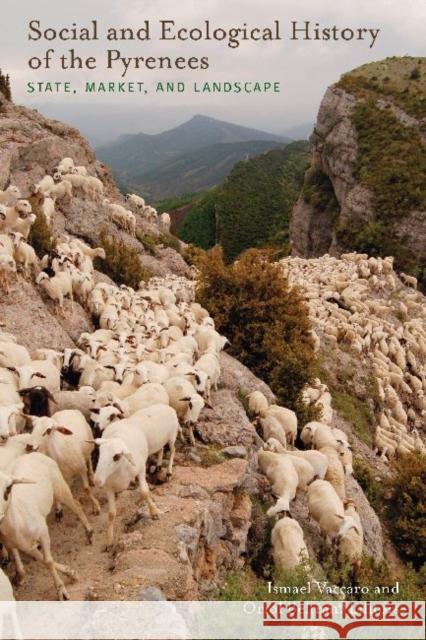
365 189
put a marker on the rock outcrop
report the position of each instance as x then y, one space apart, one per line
354 197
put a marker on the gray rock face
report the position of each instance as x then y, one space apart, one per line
335 153
235 452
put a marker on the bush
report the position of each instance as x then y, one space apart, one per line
168 240
122 263
372 487
406 507
355 411
40 234
149 242
5 86
319 192
265 320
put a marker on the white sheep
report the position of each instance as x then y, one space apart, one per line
123 455
43 185
13 355
57 288
350 538
288 545
317 460
335 472
29 490
283 477
25 256
39 372
257 403
325 507
58 192
65 438
135 200
287 419
187 403
164 222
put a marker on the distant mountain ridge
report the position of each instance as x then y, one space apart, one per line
197 170
132 156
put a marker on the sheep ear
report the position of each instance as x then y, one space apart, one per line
64 430
130 458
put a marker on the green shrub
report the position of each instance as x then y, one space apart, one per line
149 242
391 79
168 240
372 487
40 234
122 263
406 507
192 255
355 411
318 191
265 320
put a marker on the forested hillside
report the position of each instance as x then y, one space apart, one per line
252 207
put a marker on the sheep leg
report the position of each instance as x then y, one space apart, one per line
59 513
89 492
154 511
191 434
90 471
172 446
112 512
20 569
160 456
49 562
63 493
63 568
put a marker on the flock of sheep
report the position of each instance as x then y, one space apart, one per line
317 472
17 217
102 414
360 304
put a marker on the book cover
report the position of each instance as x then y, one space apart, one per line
212 319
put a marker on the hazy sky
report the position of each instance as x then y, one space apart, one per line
304 69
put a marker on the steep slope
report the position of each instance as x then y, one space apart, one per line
255 199
206 510
365 189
